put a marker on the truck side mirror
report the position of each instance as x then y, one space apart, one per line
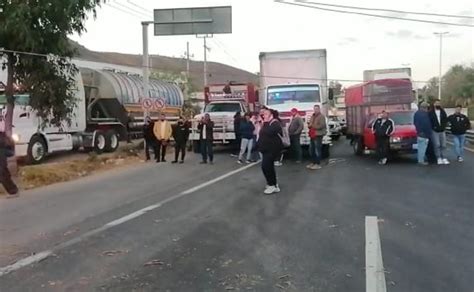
331 94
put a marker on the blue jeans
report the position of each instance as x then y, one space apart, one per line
459 141
422 146
439 143
206 150
315 147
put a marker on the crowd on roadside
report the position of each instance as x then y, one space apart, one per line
431 123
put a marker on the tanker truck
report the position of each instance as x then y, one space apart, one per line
108 110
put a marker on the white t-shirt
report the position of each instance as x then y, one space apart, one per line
204 131
438 115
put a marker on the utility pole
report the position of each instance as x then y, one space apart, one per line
187 59
205 62
440 34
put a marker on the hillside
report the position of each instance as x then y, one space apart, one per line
218 73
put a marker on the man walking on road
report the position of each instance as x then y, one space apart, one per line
180 135
150 139
206 138
7 150
423 131
459 126
246 144
317 130
163 131
439 121
294 131
382 128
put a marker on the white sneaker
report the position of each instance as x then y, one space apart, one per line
270 190
445 161
384 161
278 163
440 161
460 159
277 189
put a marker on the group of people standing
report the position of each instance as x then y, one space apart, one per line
431 126
158 135
265 131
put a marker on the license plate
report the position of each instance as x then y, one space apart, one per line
415 146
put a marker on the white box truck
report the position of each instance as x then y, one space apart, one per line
294 79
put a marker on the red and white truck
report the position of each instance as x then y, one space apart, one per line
222 102
294 79
363 104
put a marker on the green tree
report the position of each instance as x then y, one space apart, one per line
41 28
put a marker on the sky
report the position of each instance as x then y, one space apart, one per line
354 43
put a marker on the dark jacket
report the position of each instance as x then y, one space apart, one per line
7 146
383 129
246 129
422 123
269 139
437 126
181 133
296 126
237 120
459 124
148 132
209 130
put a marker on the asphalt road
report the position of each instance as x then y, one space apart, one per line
227 236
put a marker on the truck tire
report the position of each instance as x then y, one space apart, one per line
111 141
99 142
358 146
37 150
196 147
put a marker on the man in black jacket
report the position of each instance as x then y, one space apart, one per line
6 150
149 137
206 137
382 128
180 135
459 126
439 121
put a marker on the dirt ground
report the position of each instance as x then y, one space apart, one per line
68 166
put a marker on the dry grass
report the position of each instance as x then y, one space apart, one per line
34 176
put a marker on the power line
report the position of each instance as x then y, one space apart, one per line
132 9
220 45
388 10
200 71
138 6
372 15
125 11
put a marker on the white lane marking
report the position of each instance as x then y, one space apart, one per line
45 254
25 262
465 147
374 271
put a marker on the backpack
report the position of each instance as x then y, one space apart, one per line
284 137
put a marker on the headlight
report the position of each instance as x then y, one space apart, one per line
16 138
395 139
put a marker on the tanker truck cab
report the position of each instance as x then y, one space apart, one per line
33 139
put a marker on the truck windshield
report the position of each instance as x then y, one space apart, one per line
222 107
283 94
402 118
